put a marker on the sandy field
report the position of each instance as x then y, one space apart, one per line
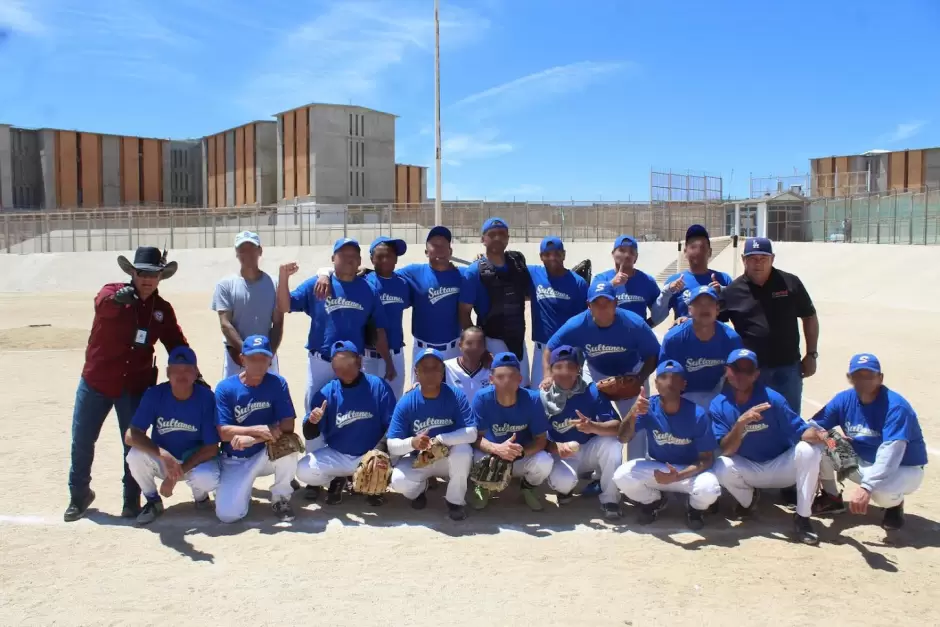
355 565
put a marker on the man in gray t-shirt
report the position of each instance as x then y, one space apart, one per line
246 304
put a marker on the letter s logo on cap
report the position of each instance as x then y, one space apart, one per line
600 287
257 341
863 359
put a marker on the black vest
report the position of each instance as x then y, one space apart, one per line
507 291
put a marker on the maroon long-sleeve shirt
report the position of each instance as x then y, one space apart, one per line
113 364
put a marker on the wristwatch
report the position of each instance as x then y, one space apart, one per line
814 355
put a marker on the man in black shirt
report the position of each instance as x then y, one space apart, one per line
763 304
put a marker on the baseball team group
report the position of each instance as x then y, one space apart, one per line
722 413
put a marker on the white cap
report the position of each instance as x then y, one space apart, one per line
247 236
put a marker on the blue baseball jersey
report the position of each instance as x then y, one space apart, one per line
179 427
561 427
889 418
614 350
778 429
679 303
678 438
553 300
704 362
342 315
395 296
415 414
239 405
357 416
637 295
526 419
434 298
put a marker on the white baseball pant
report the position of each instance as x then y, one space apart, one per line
638 447
638 483
601 454
448 350
410 482
146 469
372 363
494 346
321 466
534 469
319 373
799 464
230 368
238 476
890 492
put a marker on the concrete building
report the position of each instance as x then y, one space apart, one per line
239 166
875 171
411 184
335 154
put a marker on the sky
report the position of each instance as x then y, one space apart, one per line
540 99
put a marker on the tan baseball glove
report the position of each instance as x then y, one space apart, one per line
619 388
435 453
285 445
373 474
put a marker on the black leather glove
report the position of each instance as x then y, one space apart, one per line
127 295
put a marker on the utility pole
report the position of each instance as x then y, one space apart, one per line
438 218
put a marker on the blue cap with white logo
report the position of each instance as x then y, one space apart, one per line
696 230
864 361
398 245
703 290
344 346
257 345
439 231
669 366
758 246
624 240
565 353
430 352
494 223
505 359
181 356
551 243
344 241
601 289
742 353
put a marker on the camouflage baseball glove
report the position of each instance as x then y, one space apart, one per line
619 388
373 474
437 451
583 270
285 445
491 472
841 454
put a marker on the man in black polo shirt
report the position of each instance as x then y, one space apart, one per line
763 304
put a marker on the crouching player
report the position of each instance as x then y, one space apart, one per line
184 442
681 450
432 411
253 407
582 432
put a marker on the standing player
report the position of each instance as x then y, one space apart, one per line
582 432
253 407
511 424
636 290
432 412
885 434
702 346
556 295
681 447
184 442
679 286
342 316
247 304
466 372
352 412
764 443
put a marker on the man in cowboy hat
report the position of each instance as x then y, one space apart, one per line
119 367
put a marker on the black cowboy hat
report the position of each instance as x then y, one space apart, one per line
148 259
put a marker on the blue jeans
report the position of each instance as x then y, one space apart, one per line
787 381
91 409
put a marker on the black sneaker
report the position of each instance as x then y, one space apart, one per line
894 518
312 492
647 513
695 518
78 507
788 496
563 499
131 509
151 511
334 494
283 510
375 500
421 501
746 512
611 511
826 504
294 484
804 530
456 512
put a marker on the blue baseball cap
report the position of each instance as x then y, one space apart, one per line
565 353
742 353
439 231
398 245
624 240
758 246
257 345
864 361
505 359
344 241
669 366
181 356
344 346
696 230
703 290
601 289
551 243
494 223
430 352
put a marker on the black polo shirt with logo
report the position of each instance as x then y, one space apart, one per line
767 316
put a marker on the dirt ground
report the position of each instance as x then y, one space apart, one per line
353 565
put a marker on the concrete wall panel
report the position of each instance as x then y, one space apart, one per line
932 168
220 170
90 146
290 175
302 151
152 183
414 184
167 170
111 171
249 155
401 184
211 198
266 172
240 165
230 168
67 152
897 170
279 153
915 169
130 170
50 179
6 170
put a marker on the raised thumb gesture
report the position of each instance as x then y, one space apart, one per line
316 414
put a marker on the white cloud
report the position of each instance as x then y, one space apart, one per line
904 131
15 17
459 147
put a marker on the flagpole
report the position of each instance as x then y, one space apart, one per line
438 218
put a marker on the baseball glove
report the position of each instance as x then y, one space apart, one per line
841 454
435 453
285 445
491 472
583 270
373 474
619 388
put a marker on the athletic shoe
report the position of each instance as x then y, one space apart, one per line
294 484
312 492
205 503
826 504
592 489
746 512
78 507
151 511
131 509
420 502
788 496
334 494
375 500
283 510
804 530
648 511
695 518
530 497
479 497
456 512
563 499
611 511
894 518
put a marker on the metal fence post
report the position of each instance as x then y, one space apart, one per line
894 231
6 232
130 229
926 213
88 232
526 209
48 237
214 222
172 232
345 220
72 216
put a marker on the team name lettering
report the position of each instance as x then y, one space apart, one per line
861 430
243 412
630 298
506 428
664 438
431 423
542 292
441 293
691 365
165 426
593 350
564 426
334 304
754 427
343 420
391 299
